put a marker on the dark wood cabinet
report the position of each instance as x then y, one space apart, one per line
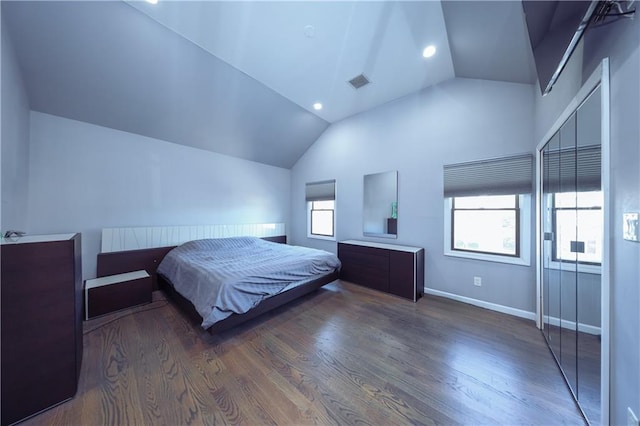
41 291
364 265
390 268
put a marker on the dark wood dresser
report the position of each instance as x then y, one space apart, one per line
41 291
390 268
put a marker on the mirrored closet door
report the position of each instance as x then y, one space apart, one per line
571 238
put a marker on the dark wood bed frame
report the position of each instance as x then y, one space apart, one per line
149 259
265 306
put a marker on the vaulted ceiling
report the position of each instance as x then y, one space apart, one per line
241 78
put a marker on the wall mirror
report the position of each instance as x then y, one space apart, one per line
380 213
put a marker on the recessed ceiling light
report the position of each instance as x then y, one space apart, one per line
152 1
429 51
317 106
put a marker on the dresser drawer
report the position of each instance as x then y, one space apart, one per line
398 270
115 292
366 266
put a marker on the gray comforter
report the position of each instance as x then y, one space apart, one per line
232 275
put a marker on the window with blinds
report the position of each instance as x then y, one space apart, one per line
500 176
484 206
320 197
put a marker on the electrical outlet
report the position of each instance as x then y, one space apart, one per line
632 420
477 281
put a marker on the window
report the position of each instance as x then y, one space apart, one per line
321 201
488 209
486 224
573 243
322 218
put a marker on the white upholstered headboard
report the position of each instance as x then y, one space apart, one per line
122 239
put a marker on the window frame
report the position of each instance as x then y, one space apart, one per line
333 220
326 194
516 209
523 235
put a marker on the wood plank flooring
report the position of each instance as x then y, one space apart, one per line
342 355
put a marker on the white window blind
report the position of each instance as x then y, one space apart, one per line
500 176
321 191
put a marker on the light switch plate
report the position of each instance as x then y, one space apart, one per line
630 226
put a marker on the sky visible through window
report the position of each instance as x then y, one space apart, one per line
322 217
485 224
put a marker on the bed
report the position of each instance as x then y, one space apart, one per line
226 276
223 282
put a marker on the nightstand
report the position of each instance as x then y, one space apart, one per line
114 292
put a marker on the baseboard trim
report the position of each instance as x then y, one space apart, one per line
585 328
481 303
571 325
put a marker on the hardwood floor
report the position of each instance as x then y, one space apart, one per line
342 355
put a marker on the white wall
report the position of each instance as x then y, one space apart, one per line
15 141
459 120
620 42
84 178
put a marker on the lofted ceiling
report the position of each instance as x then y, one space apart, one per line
240 78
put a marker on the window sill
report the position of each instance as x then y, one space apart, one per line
489 257
321 237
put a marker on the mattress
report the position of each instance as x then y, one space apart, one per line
224 276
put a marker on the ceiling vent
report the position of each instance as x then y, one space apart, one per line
359 81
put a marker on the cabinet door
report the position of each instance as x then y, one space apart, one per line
402 274
38 329
367 266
